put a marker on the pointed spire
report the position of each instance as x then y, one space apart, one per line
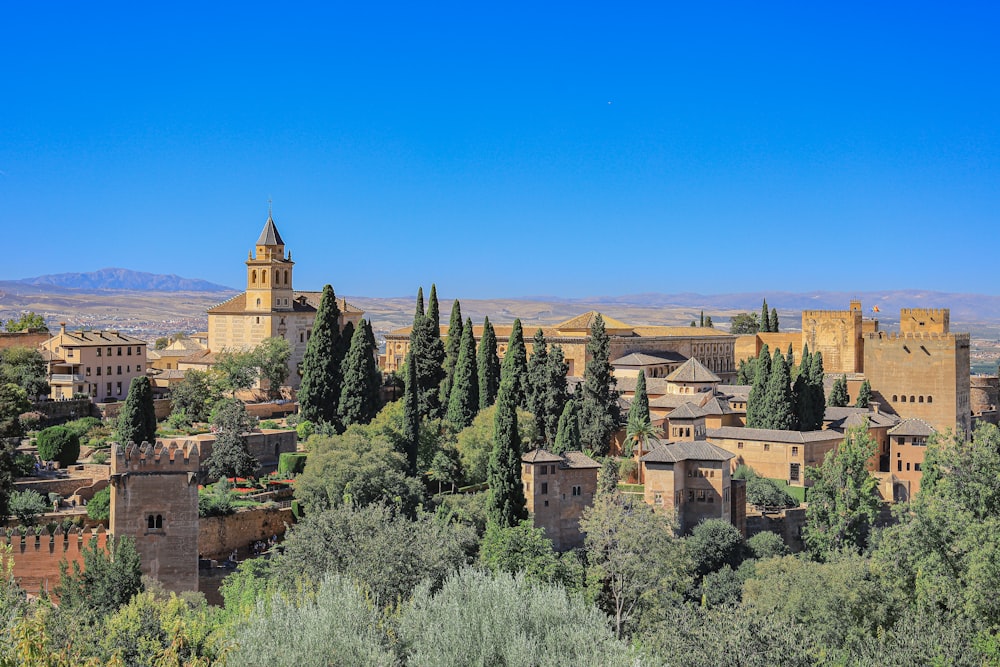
270 235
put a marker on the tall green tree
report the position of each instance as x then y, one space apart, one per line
411 415
756 401
196 395
839 397
29 321
515 366
772 322
844 499
230 456
538 380
108 579
272 363
744 323
343 348
427 353
26 368
463 404
237 368
864 395
802 391
506 505
137 419
452 347
13 403
568 434
639 428
746 372
556 391
779 404
319 391
488 366
599 410
765 318
359 398
816 377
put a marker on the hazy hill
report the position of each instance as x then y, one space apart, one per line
124 279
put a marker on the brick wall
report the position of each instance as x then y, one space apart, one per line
36 564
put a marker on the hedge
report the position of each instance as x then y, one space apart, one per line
291 464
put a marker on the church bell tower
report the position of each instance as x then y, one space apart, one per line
269 272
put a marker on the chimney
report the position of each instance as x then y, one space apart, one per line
62 327
874 406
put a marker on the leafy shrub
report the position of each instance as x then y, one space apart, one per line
100 457
291 464
99 507
217 500
24 465
58 443
31 420
766 545
26 505
269 423
304 429
82 426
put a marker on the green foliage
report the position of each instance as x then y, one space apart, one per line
765 318
608 477
452 346
290 463
196 395
26 368
359 399
427 356
319 391
864 395
599 410
568 432
29 321
355 468
463 403
271 358
635 559
217 499
556 393
515 367
844 500
58 443
744 323
335 624
137 419
238 369
766 545
715 543
475 443
108 579
779 404
488 366
13 403
521 548
482 619
817 398
382 550
839 397
8 473
24 464
757 400
99 507
230 456
411 415
772 324
83 426
507 502
27 505
747 371
538 379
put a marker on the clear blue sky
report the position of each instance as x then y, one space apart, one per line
508 149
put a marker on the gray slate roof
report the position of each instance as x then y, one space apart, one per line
572 459
698 450
269 235
645 359
693 370
772 435
913 427
686 411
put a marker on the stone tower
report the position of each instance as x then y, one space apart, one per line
269 273
154 500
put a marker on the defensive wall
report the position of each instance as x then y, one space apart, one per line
786 524
218 536
36 560
161 406
932 320
837 334
984 393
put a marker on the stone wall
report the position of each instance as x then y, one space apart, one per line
64 486
787 525
57 412
271 410
36 563
110 410
218 536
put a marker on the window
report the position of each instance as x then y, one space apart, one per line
109 351
899 466
138 368
544 470
552 470
902 399
98 351
930 399
920 399
767 447
546 503
545 488
657 498
739 445
794 472
128 351
109 370
795 451
911 399
150 522
258 320
701 495
119 388
108 392
119 370
725 495
119 351
128 369
690 495
302 337
916 466
88 371
577 491
907 466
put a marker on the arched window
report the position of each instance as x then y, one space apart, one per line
930 399
902 398
911 399
286 276
159 521
150 522
263 277
253 277
895 398
258 302
277 277
920 399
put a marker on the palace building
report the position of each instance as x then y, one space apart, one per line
270 307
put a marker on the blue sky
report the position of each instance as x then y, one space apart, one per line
509 149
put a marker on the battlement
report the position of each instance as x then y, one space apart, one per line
175 456
831 314
917 335
924 319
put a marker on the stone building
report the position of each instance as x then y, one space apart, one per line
558 487
154 500
773 453
269 307
660 348
99 364
907 447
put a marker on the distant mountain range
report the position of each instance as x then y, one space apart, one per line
124 279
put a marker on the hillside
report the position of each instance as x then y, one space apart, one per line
123 279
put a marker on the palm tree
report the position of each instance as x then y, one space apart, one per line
637 437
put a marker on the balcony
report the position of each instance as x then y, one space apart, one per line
65 378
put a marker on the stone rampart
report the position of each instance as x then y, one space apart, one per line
57 412
36 562
219 536
161 406
786 524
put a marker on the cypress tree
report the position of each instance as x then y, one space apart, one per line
765 318
638 411
802 392
556 392
780 405
709 323
758 392
488 366
864 395
319 392
137 419
838 394
538 379
790 357
427 351
506 505
463 404
747 371
515 366
411 416
599 410
358 402
773 322
568 433
818 400
701 320
343 347
451 348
